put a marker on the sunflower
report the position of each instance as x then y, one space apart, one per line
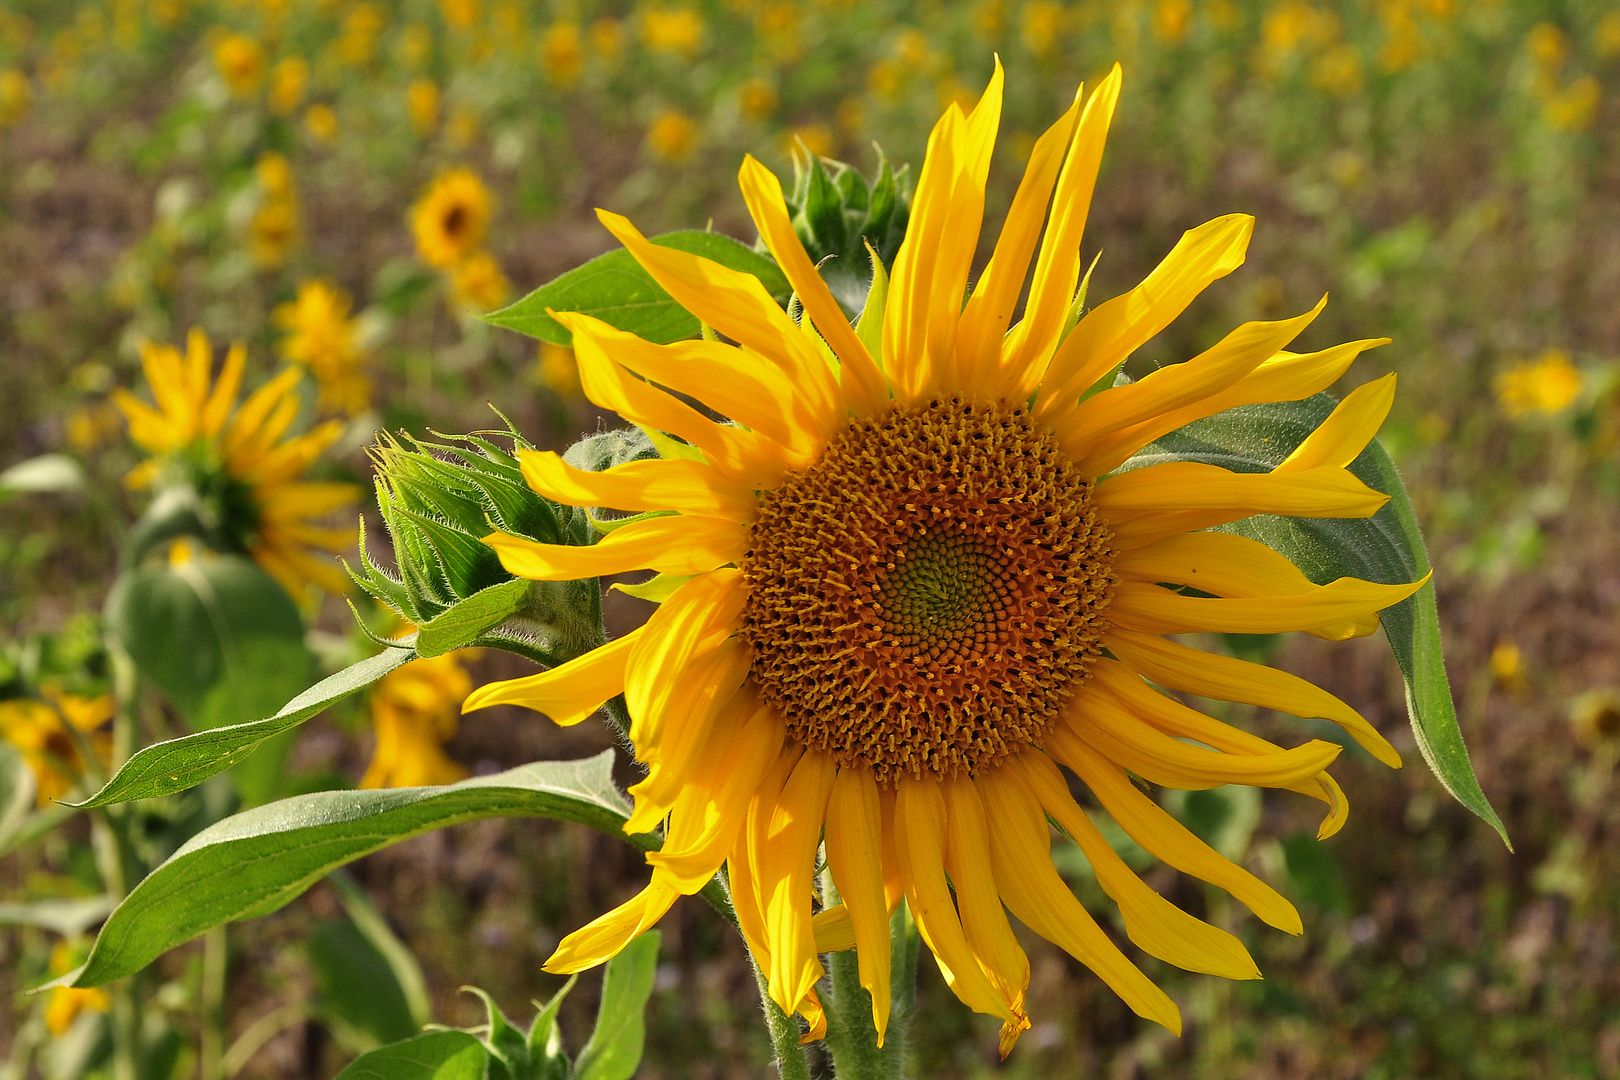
414 712
911 585
237 454
450 218
323 338
50 735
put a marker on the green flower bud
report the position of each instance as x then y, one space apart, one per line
837 213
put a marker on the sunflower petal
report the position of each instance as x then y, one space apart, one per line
855 858
603 938
1183 486
1340 438
789 859
1152 610
567 693
685 486
682 544
968 862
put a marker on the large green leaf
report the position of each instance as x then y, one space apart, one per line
217 635
167 767
356 991
620 1035
436 1055
1387 548
258 861
614 288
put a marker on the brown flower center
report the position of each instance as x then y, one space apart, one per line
923 599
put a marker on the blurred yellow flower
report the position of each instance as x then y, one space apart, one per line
672 136
240 61
321 121
67 1002
779 24
322 338
289 79
477 283
673 31
851 117
816 138
459 14
562 54
198 426
450 218
912 49
357 44
1574 107
47 735
1171 19
1338 71
756 99
14 96
91 427
415 45
415 711
273 230
1507 666
274 174
1548 384
887 78
1039 25
422 103
1607 39
1547 45
462 127
989 19
556 369
1595 716
607 38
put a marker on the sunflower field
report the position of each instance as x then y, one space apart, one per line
549 539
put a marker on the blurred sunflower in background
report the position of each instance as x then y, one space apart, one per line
322 338
911 584
415 711
239 463
52 736
450 219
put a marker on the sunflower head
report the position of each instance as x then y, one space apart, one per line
323 338
450 218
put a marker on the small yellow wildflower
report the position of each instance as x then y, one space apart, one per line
415 712
1171 19
562 54
779 24
1607 40
198 427
1338 71
1574 107
1547 45
91 427
558 371
672 136
477 283
756 100
450 218
1546 385
1040 23
1507 666
422 102
1595 716
240 61
321 121
289 79
40 733
322 338
673 31
67 1002
274 229
607 38
14 96
274 174
357 44
459 14
816 138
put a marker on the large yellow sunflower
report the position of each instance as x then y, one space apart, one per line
239 456
911 589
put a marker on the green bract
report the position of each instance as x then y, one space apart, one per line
837 213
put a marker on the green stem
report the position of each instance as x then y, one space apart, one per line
784 1032
118 866
216 959
851 1032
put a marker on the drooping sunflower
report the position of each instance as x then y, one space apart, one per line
910 586
413 710
238 458
450 218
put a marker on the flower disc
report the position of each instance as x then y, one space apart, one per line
923 599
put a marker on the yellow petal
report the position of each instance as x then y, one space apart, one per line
567 693
1153 923
855 858
1340 438
1029 885
746 871
1162 836
988 315
920 823
1152 610
1178 385
968 861
1112 331
1182 486
683 544
835 932
787 875
684 486
605 936
864 389
694 620
1029 347
911 280
1226 678
212 421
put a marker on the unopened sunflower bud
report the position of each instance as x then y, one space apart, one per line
837 213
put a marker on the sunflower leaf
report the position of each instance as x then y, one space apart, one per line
167 767
258 861
462 622
433 1055
1387 548
616 289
